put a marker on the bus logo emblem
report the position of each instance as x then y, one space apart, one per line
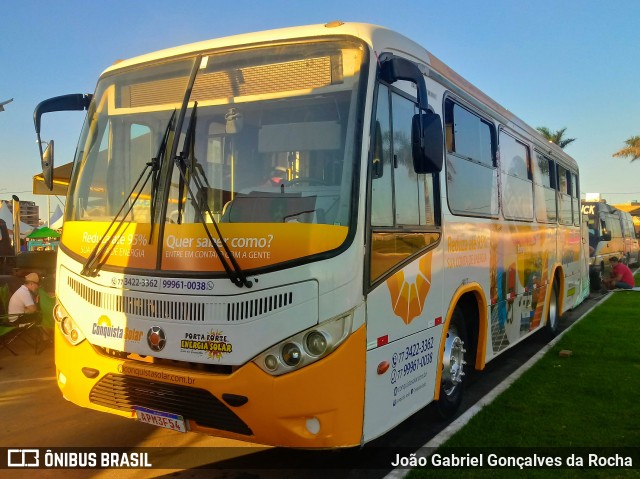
408 297
156 338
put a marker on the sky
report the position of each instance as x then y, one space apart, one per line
553 63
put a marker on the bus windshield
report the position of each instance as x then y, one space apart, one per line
272 140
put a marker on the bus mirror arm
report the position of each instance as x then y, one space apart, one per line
395 68
72 102
426 128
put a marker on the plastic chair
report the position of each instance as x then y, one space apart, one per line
5 330
4 298
6 339
19 326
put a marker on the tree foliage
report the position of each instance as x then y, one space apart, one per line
556 137
632 150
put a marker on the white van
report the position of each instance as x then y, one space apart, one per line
606 239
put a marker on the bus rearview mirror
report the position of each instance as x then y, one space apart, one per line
427 143
47 166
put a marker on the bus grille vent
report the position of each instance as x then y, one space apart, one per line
124 392
146 307
195 309
258 306
85 292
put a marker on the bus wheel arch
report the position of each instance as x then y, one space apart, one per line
458 352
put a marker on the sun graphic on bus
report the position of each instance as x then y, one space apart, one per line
407 299
104 321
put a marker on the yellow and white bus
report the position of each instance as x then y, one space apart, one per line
301 237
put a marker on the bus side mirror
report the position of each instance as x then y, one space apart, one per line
73 102
606 236
47 166
427 143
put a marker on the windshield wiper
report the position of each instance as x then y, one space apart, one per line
103 248
186 165
155 175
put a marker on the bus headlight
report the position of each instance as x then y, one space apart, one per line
316 343
67 326
291 354
59 313
305 347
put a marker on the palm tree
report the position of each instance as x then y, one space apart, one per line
555 136
631 150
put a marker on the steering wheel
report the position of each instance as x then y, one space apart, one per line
305 179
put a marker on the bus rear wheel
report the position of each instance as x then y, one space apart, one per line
595 279
453 363
553 316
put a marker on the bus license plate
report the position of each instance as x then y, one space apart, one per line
161 419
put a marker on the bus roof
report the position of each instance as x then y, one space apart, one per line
380 39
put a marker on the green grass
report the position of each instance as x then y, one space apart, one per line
590 399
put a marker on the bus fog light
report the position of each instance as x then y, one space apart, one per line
62 379
66 326
313 425
316 343
291 354
271 362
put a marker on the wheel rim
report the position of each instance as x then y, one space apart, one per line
553 309
453 362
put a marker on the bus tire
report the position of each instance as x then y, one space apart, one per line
553 315
453 363
595 279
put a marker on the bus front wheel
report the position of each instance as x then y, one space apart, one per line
453 363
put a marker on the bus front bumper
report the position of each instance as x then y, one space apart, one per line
318 406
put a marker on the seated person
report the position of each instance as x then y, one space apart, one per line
277 176
25 298
621 276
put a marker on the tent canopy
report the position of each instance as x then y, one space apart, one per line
61 177
56 225
7 216
56 219
632 208
44 232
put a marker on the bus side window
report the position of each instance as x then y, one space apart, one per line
472 176
515 166
564 196
381 184
575 198
606 234
545 188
